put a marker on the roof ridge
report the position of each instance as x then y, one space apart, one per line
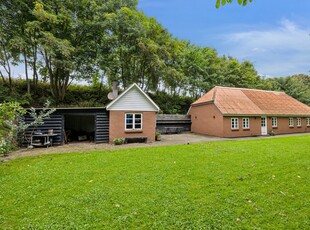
261 90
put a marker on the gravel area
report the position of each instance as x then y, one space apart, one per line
173 139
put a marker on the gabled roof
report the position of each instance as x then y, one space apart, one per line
133 99
239 101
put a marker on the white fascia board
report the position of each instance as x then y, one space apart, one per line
108 107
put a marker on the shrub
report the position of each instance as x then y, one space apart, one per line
9 115
5 147
271 133
157 136
12 123
118 141
172 104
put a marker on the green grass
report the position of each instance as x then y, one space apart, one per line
234 184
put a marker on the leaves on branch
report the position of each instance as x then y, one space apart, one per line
223 2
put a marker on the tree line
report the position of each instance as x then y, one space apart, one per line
62 41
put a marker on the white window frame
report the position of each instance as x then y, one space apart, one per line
234 123
133 121
308 121
291 122
274 122
298 121
245 123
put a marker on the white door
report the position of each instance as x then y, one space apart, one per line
264 125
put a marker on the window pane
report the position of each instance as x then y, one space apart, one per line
129 115
129 118
138 121
129 121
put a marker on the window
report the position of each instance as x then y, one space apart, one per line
291 122
274 122
308 121
133 121
234 123
246 123
298 119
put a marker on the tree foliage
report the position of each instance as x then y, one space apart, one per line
297 86
9 114
223 2
12 123
58 40
64 41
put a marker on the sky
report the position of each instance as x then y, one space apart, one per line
272 34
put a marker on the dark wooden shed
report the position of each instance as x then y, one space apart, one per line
173 123
75 124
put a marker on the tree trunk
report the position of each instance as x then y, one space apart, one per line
34 67
8 69
3 79
26 72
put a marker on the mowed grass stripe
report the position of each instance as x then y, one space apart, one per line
234 184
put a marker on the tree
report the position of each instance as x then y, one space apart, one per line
297 86
59 40
137 49
15 41
8 56
70 34
223 2
201 67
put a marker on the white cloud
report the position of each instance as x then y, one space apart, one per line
282 51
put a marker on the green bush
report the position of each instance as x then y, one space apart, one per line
271 133
5 147
172 104
157 135
118 141
84 96
76 95
9 116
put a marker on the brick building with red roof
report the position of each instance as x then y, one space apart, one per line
236 112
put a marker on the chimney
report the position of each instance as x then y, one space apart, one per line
115 90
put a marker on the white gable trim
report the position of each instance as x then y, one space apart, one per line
108 107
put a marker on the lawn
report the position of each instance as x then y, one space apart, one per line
233 184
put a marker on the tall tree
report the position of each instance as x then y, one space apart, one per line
59 40
137 47
8 56
69 35
297 86
15 14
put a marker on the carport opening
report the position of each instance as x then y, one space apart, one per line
79 128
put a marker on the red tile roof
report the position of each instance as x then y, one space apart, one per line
239 101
